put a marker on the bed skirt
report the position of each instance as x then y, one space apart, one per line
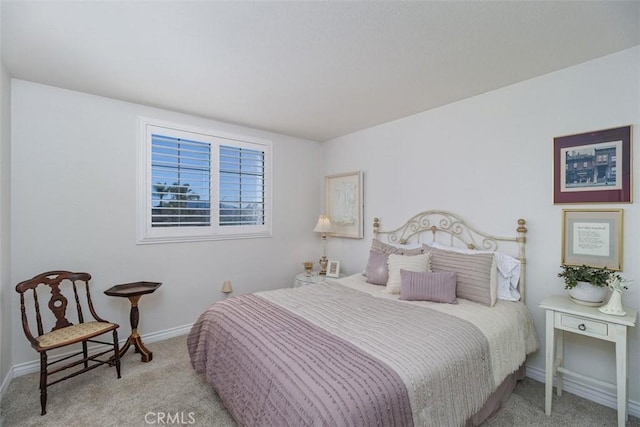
497 398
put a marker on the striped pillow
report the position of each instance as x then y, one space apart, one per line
476 274
386 248
427 286
404 262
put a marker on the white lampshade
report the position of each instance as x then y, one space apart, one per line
323 225
226 287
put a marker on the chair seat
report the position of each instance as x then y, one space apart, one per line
74 333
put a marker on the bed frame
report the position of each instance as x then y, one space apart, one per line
458 231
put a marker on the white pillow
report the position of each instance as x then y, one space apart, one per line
508 276
406 246
508 269
419 263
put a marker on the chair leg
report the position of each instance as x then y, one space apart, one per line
43 382
116 350
85 353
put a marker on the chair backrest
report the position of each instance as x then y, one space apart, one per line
58 302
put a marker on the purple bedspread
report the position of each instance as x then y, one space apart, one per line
272 367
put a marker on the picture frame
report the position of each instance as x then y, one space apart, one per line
344 204
592 238
593 167
333 268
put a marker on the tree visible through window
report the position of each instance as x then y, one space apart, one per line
181 173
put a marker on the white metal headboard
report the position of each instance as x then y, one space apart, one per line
458 230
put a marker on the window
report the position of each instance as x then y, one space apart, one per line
197 184
241 186
180 182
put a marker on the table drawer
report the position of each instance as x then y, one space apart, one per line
580 324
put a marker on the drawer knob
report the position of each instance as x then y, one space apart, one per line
582 327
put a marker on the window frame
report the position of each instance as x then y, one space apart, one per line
146 234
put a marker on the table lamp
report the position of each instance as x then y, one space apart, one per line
323 226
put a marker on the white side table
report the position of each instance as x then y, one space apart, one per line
303 279
565 315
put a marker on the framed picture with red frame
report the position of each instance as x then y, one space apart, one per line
593 167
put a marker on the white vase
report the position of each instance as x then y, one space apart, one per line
587 294
614 306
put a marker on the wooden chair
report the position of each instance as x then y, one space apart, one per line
64 332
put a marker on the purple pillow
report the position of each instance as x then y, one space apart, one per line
428 286
377 271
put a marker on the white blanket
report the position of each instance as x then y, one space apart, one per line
508 324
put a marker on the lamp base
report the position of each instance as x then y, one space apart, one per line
323 265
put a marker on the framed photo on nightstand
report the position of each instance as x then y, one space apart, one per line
333 269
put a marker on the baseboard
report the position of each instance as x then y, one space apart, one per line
166 334
586 391
34 365
5 383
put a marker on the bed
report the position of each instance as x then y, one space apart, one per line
439 345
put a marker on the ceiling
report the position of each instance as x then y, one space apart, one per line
314 70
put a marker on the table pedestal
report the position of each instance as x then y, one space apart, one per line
135 339
134 291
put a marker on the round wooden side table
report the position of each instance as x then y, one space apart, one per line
134 291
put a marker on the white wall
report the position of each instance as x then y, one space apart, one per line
6 290
74 207
489 158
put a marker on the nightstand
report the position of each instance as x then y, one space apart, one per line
303 279
565 315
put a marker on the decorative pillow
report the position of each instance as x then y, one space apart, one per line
404 262
374 262
377 271
476 273
427 286
386 248
508 274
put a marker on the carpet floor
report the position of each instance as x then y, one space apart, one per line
167 391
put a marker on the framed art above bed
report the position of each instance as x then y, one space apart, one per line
344 204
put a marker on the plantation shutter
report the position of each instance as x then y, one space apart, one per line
242 186
181 182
